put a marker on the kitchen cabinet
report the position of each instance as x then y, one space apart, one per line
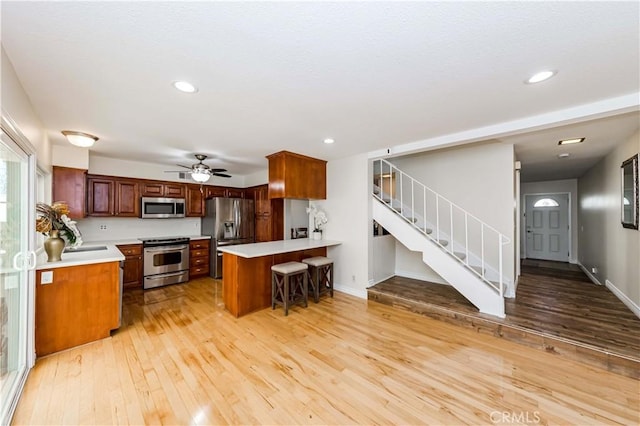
162 189
269 215
132 272
223 192
199 256
194 200
108 196
80 305
297 176
69 185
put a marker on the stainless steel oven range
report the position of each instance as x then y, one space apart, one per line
166 261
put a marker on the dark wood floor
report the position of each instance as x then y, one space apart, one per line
557 309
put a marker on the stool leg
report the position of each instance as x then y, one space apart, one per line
316 290
273 290
286 295
305 289
331 280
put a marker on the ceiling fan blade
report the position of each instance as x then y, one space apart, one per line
180 165
221 175
175 171
218 170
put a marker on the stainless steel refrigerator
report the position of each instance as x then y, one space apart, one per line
228 221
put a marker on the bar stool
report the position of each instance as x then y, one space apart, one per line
289 285
321 272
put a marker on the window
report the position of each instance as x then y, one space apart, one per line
546 202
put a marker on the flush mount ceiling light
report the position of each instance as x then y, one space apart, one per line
185 86
328 141
571 141
564 155
81 139
541 76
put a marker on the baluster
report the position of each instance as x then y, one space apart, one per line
424 211
482 248
466 238
451 226
500 265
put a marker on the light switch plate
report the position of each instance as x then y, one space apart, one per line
47 277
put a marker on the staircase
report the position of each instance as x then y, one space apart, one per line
461 248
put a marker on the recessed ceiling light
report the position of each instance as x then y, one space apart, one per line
185 86
328 141
541 76
571 141
564 155
84 140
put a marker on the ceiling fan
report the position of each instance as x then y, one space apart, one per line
200 172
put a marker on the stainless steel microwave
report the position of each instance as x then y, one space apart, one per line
162 208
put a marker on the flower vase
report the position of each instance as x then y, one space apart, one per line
54 245
317 235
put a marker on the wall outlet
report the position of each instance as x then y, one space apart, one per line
103 227
46 277
594 270
353 278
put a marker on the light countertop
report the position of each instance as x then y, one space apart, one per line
127 241
110 254
276 247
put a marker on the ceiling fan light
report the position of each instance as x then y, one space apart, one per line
84 140
200 176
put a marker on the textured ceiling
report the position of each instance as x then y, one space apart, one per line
284 75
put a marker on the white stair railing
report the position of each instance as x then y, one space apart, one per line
454 229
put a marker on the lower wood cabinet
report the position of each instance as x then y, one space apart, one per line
80 305
199 253
132 273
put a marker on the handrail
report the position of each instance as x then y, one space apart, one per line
502 239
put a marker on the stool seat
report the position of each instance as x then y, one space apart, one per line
317 261
289 267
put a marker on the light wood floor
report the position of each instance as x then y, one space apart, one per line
181 359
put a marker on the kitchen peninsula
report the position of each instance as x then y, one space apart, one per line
246 277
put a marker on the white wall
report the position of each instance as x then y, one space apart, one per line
409 264
348 208
16 103
295 216
70 156
260 177
553 187
384 258
115 167
604 243
120 228
479 178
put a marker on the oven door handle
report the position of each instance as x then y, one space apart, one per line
165 248
163 276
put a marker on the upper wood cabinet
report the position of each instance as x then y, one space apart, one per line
69 185
223 192
109 196
293 175
269 215
235 193
162 189
195 201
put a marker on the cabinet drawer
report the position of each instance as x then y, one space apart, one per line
199 253
198 261
199 244
198 270
131 250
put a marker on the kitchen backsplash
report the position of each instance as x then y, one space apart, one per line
110 228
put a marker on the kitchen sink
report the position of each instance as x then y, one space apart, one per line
79 249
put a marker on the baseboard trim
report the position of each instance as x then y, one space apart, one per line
623 298
374 282
359 293
589 274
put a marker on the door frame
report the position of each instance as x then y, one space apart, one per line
10 127
523 222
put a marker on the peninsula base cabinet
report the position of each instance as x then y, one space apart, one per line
80 305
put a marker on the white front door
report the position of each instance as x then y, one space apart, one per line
547 226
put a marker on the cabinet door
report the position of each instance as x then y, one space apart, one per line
174 190
152 189
262 202
70 185
194 201
215 191
132 272
127 199
235 193
263 228
100 197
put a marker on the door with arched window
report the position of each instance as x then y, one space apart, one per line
547 226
